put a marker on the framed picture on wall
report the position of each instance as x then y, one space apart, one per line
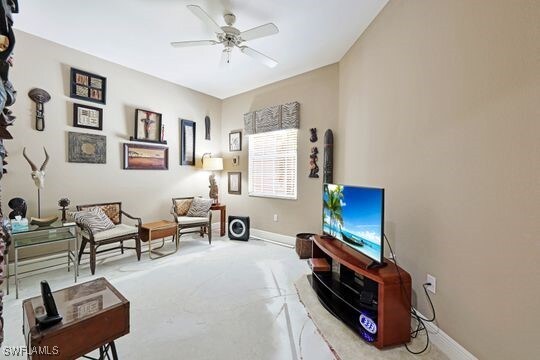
87 148
144 157
235 182
87 117
235 141
87 86
187 142
147 126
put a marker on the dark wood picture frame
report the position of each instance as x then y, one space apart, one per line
235 147
187 142
231 190
77 119
140 162
156 138
87 148
87 86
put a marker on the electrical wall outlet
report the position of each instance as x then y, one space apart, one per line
433 281
275 217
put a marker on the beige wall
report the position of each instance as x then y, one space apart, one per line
317 93
439 105
436 102
41 63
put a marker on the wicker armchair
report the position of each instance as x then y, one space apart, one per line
120 233
203 225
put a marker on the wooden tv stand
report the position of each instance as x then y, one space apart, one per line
339 291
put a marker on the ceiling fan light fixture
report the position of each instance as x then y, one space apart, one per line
231 37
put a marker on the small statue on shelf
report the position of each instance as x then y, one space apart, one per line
314 173
313 138
64 203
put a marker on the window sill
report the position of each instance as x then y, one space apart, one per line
273 197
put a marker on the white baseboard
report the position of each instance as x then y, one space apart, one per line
267 235
446 344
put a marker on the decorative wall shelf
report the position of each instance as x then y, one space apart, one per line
164 142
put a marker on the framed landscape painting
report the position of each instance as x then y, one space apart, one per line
144 157
87 86
87 117
87 148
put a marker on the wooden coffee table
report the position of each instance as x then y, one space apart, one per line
159 230
94 315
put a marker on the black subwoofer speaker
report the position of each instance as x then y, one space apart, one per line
239 228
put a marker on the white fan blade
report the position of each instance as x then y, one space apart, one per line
258 56
205 18
193 43
259 32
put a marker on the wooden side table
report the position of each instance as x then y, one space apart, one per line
94 315
223 215
159 230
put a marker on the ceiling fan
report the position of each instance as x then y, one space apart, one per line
231 37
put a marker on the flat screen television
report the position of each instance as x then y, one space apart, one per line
355 216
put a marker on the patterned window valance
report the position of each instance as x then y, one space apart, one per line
286 116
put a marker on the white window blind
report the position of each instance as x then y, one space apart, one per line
273 164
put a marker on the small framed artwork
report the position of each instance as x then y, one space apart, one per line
87 86
87 117
147 126
144 157
87 148
187 142
235 182
235 141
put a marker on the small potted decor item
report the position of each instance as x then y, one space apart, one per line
63 203
304 245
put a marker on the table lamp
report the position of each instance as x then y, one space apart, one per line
212 164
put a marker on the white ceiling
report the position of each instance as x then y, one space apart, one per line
137 33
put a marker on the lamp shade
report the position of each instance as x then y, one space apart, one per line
212 164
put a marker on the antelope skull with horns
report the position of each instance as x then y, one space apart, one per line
38 175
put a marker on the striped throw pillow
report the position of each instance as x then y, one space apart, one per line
94 218
200 207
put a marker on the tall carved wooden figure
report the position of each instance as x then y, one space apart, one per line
328 175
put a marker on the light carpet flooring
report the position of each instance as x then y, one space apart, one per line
228 300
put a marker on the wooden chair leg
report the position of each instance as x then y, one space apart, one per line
92 258
209 231
138 247
81 250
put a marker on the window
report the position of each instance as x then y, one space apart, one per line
273 163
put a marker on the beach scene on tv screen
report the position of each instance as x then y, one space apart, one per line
353 215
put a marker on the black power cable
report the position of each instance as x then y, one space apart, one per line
420 320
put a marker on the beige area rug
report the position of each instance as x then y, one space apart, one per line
345 343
